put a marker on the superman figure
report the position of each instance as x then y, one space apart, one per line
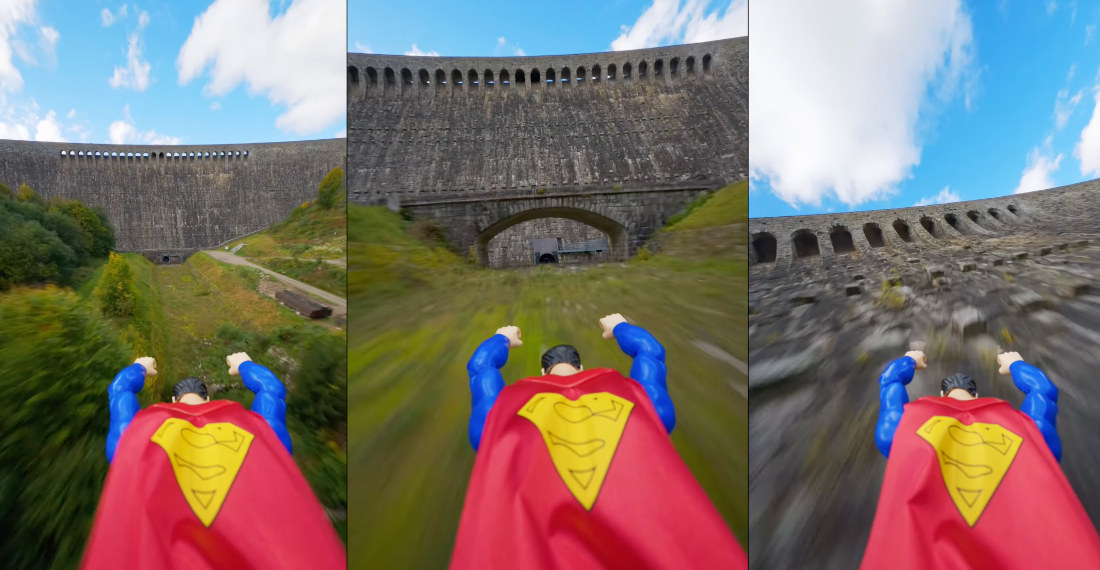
206 485
973 483
575 469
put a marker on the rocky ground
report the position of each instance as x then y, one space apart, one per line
821 331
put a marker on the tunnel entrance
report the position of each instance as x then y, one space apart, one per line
764 247
805 244
874 235
903 231
561 236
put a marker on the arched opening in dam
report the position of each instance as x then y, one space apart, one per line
764 247
1015 211
804 243
569 235
996 215
953 221
932 227
902 229
873 233
841 239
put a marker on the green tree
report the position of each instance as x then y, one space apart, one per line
56 361
332 192
31 254
93 223
26 194
117 288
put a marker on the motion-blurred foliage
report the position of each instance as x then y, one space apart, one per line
57 359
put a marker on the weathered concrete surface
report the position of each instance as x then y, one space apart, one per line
823 327
165 205
443 137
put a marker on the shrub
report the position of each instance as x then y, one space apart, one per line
116 290
332 192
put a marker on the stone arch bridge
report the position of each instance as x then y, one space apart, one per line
489 147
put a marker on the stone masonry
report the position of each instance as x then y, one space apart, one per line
629 136
833 298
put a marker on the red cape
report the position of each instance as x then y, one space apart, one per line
263 517
630 501
973 485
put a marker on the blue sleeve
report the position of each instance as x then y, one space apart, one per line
485 382
1040 402
123 403
648 368
270 401
892 398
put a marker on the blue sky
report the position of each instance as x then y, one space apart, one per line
936 102
157 72
505 27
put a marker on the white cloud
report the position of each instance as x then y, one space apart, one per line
15 13
136 73
1090 33
143 19
362 48
71 114
1071 73
341 134
108 18
1064 106
672 21
290 58
1040 165
504 47
48 129
838 93
215 105
416 51
944 197
124 131
1052 6
1087 150
25 121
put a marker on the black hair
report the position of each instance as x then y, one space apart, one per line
959 380
561 353
189 385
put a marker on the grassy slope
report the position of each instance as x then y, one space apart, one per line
190 316
296 246
418 313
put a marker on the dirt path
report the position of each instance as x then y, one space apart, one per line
339 262
339 305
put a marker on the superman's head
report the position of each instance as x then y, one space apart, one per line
191 386
562 360
962 382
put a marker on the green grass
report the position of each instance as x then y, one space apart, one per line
295 246
422 312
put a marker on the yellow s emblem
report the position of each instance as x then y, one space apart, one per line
973 460
205 460
581 436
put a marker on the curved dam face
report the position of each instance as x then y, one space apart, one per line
613 143
168 201
834 298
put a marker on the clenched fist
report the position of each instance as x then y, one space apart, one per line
235 360
918 355
609 323
149 364
512 332
1005 359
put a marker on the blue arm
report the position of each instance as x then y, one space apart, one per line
648 368
1040 402
270 401
485 382
123 403
892 398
